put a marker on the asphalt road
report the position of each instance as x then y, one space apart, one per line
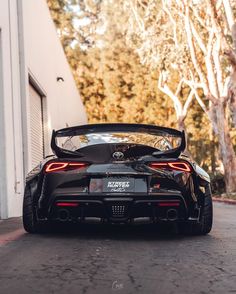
119 259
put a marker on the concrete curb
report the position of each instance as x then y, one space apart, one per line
224 200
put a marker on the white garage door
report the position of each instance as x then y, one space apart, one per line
36 127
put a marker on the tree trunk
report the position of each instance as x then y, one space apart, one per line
232 81
181 124
226 147
182 127
232 106
231 54
212 150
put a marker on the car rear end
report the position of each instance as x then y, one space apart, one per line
119 176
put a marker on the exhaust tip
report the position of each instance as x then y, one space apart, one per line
172 214
63 215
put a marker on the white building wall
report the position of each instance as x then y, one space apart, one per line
29 46
45 61
11 155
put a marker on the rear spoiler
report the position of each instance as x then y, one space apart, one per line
116 127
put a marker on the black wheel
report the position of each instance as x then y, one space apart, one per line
204 226
30 222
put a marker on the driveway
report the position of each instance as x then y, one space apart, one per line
99 259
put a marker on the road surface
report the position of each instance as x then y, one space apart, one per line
119 260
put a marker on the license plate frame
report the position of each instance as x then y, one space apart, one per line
118 185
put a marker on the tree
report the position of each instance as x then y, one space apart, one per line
192 31
131 61
113 84
231 54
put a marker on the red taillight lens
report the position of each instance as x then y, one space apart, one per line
181 166
63 166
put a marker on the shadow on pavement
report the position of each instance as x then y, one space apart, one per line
116 232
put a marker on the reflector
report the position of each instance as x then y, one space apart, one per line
67 204
167 204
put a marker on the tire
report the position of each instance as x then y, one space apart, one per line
204 225
30 222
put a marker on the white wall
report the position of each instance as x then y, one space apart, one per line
11 153
29 44
45 59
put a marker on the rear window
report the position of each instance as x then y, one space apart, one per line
162 141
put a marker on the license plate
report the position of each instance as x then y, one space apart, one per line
118 185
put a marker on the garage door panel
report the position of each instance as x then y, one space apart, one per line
36 126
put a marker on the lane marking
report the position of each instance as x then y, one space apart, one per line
12 236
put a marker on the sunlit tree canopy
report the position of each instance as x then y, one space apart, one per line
165 62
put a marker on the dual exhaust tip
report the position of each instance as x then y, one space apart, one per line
64 215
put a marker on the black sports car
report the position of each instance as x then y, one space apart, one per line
118 173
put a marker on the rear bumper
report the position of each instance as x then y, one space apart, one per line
114 208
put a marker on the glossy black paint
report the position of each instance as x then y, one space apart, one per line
151 187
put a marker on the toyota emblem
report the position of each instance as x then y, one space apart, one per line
118 155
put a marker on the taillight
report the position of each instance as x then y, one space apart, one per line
181 166
63 166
